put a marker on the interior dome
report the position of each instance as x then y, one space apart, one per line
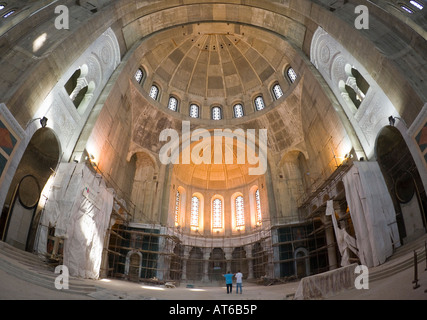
214 62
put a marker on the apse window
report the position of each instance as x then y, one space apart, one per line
216 113
173 104
259 103
195 210
177 204
194 111
240 212
217 213
238 110
292 75
154 92
258 206
277 91
139 75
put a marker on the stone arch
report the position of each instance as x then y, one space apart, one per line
133 265
403 182
195 264
302 262
217 264
39 161
239 261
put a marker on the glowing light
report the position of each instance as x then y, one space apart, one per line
38 43
416 4
407 9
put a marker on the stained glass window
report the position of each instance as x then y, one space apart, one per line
240 212
277 91
195 205
154 92
194 111
217 213
238 110
173 104
259 103
216 113
258 206
292 75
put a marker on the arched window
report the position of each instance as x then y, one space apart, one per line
277 91
240 212
177 205
217 213
356 86
407 9
216 113
238 110
154 92
259 103
416 4
194 111
139 75
173 103
292 75
195 211
258 207
71 84
8 14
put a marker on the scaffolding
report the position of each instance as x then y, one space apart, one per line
158 254
282 251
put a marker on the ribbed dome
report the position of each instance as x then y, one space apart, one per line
214 65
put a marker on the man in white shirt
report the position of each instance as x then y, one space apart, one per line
238 277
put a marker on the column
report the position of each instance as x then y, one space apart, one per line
248 249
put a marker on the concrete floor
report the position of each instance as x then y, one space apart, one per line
396 286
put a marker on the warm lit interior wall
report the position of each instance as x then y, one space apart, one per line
227 196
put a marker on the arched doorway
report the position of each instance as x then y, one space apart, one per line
20 214
217 264
302 263
175 271
403 182
195 264
239 262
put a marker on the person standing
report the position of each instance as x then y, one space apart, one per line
238 277
229 282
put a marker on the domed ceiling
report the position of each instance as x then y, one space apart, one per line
215 65
214 61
